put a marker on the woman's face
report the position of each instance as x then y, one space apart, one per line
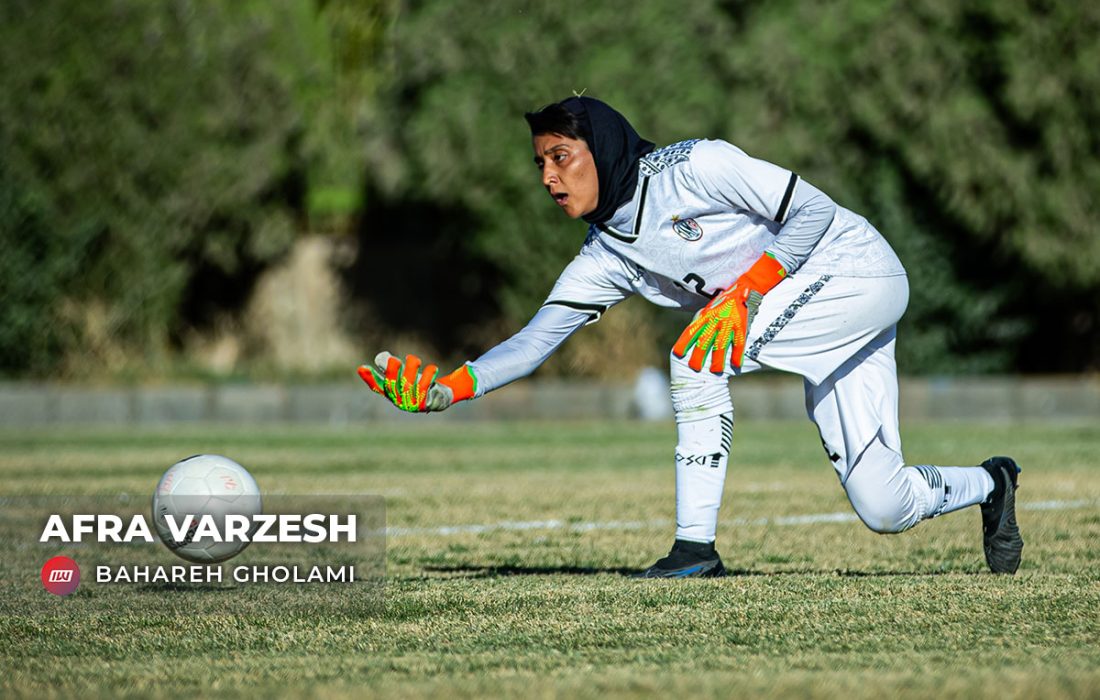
568 173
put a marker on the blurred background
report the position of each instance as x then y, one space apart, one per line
275 190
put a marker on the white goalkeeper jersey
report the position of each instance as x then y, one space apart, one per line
702 213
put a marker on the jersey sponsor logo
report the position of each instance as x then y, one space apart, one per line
688 229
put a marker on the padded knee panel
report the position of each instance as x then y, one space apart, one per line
697 395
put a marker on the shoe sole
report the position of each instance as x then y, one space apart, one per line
707 569
1004 547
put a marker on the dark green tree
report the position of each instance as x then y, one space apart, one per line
157 148
963 131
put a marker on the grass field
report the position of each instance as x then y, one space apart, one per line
535 604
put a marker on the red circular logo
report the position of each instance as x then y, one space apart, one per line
60 575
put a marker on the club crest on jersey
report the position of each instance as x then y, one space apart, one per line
688 229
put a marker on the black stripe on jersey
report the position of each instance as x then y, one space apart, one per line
781 215
615 234
597 310
641 208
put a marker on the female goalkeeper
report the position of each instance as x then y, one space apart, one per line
777 275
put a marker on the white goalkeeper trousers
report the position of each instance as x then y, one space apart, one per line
838 333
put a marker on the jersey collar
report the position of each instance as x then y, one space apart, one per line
625 223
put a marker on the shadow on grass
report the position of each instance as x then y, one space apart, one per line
932 572
485 571
475 571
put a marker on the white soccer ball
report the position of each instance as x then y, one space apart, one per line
203 485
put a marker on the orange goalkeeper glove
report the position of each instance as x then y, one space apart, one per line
412 386
725 321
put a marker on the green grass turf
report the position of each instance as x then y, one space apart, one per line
815 610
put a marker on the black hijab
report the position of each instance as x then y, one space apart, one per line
615 147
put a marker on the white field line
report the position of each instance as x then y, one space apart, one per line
781 521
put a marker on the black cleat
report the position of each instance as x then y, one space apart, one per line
1001 535
687 560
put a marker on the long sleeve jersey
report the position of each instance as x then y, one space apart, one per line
702 213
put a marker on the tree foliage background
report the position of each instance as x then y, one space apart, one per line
156 158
